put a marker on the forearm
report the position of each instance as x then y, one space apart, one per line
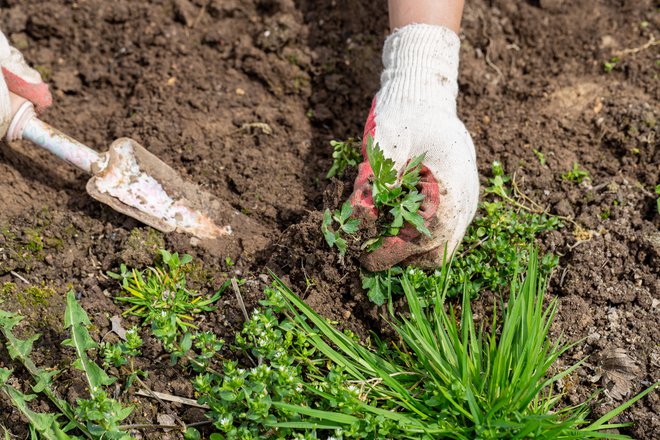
446 13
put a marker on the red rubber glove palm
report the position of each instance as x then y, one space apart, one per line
17 77
414 113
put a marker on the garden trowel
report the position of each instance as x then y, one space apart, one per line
133 181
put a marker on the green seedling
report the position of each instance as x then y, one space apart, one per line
113 355
396 192
576 175
344 154
124 352
608 66
540 156
657 191
103 415
159 295
345 225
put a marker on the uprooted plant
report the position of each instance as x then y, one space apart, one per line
494 244
395 195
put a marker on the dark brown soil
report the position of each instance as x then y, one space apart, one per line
242 98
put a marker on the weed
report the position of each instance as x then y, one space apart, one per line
540 156
159 295
344 154
608 66
442 379
97 417
576 175
380 286
396 191
117 354
395 195
657 191
20 349
493 245
346 225
45 425
101 413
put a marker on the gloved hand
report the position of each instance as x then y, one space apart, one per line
414 113
17 77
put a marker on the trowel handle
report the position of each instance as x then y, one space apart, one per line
26 125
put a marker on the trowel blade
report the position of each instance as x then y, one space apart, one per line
135 182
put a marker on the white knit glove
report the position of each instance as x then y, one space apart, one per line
17 77
414 113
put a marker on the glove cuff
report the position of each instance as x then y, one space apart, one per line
421 66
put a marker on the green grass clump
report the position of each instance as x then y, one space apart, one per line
443 377
159 295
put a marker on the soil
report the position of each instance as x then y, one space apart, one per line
242 97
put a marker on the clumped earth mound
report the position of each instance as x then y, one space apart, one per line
242 98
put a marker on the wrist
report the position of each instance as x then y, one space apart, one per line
420 66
